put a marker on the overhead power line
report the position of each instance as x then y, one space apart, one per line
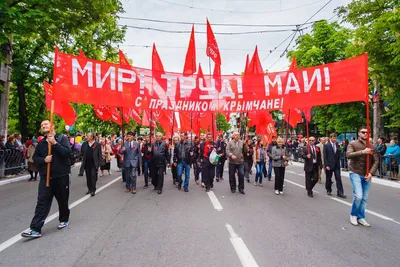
239 12
197 48
202 32
213 24
286 49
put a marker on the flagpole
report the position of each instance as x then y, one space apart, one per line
122 124
49 144
287 128
173 124
212 113
308 137
368 156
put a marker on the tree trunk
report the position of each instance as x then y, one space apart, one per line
5 95
23 118
378 130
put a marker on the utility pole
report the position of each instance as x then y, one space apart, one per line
5 82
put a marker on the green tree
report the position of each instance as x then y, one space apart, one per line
329 42
377 27
222 123
38 26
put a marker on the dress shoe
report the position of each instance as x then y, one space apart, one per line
92 194
186 190
88 192
179 186
159 192
310 194
207 189
133 191
217 180
342 196
241 191
233 190
329 193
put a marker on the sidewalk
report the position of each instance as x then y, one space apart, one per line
23 177
375 180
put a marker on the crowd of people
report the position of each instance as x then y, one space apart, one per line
206 157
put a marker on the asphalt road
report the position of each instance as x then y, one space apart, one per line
115 228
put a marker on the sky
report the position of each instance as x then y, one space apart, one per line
172 47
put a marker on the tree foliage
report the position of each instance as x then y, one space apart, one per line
37 27
222 123
377 28
330 42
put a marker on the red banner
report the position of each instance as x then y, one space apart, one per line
90 81
61 108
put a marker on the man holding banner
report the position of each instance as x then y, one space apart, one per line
159 159
60 169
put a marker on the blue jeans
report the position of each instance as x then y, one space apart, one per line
269 170
130 174
361 190
183 166
259 171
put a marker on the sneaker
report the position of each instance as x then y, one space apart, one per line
31 233
280 192
109 173
255 183
202 185
260 184
276 192
353 220
62 225
363 222
102 174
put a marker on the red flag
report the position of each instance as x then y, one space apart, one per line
102 112
184 118
61 108
122 59
146 119
190 62
293 65
307 113
164 118
129 113
212 46
293 116
116 115
255 64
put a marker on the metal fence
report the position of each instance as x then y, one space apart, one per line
12 162
384 170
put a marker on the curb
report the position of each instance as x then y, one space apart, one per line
24 177
374 181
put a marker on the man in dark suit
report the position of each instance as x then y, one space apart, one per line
132 157
159 160
92 158
312 161
332 165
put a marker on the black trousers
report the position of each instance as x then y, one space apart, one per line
81 169
312 178
197 171
279 177
157 176
220 167
338 178
91 178
232 175
59 188
174 171
207 173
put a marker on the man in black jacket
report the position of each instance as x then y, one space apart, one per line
159 159
221 150
92 158
332 165
312 161
183 152
60 169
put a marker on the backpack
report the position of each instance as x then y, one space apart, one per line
72 155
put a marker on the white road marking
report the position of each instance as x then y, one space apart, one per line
243 252
367 211
18 237
347 203
214 201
